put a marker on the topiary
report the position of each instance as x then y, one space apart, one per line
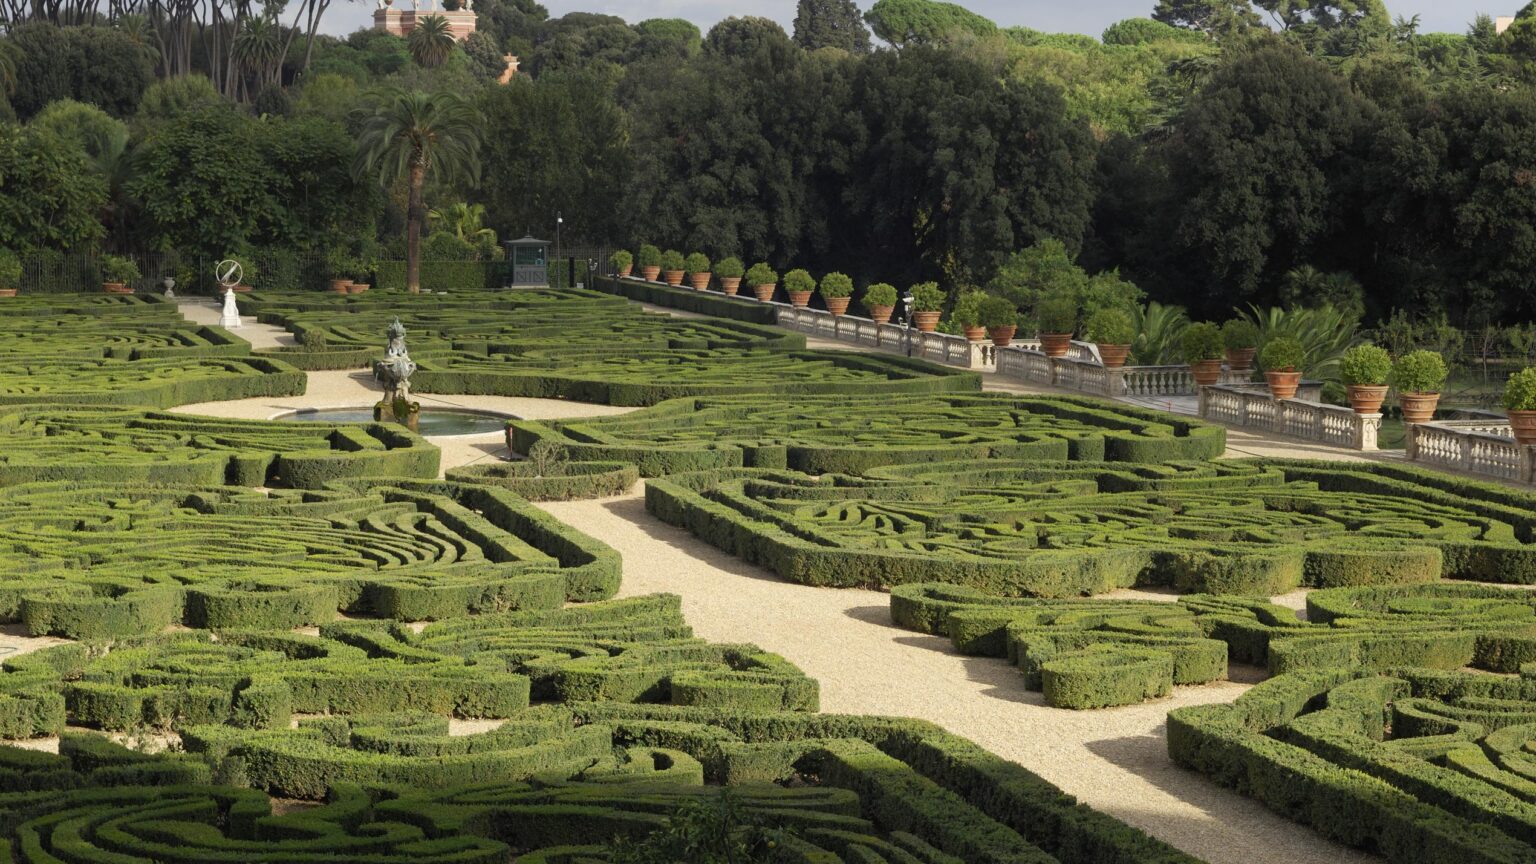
1239 334
115 268
1365 366
880 294
1283 354
1110 327
1520 391
672 261
1419 372
729 268
10 269
649 256
927 297
797 281
698 262
762 274
1057 314
835 285
998 312
967 311
1201 341
620 261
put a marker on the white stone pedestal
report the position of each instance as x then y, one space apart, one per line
230 318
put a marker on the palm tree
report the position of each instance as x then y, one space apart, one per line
466 221
431 42
413 136
259 49
9 54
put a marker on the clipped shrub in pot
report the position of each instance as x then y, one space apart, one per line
673 265
1282 359
1113 331
730 271
1000 319
1240 338
967 314
1418 377
697 266
799 285
763 280
10 273
650 262
1203 350
341 266
1520 404
927 306
1056 317
837 292
118 274
622 263
880 300
1364 369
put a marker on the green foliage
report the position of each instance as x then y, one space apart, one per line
1159 330
1520 391
1141 31
967 309
49 194
672 261
1283 354
1110 327
880 294
799 280
620 260
696 262
96 65
1057 313
649 256
714 830
927 297
1201 341
833 24
115 268
997 312
835 285
10 269
761 274
1308 288
1043 270
1419 372
924 22
1108 290
729 267
96 133
431 41
1323 333
1366 365
1239 334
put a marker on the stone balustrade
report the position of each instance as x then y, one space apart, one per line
1485 447
1251 407
1081 370
943 348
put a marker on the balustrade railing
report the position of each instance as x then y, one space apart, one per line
1486 447
1254 408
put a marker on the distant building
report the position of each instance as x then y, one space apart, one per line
1503 22
400 22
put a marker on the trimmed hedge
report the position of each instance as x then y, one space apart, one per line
566 481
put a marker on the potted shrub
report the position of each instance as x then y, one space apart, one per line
650 262
673 265
927 306
360 272
967 314
10 273
1520 404
1364 369
1203 351
763 280
1418 377
837 292
1000 319
1282 359
880 301
697 266
799 285
342 267
1056 318
622 263
1240 337
730 271
1113 331
118 274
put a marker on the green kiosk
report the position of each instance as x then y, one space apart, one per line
529 258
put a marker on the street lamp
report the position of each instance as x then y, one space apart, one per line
559 221
906 315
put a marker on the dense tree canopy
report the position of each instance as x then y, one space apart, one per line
831 24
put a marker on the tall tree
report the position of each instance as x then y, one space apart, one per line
831 24
415 136
431 41
1219 18
925 22
49 196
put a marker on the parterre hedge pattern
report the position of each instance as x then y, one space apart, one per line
134 446
1024 528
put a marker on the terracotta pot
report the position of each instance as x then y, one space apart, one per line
7 292
626 270
649 274
730 285
926 322
1283 385
246 289
1366 398
356 287
1208 372
838 305
1055 344
699 281
674 277
975 334
765 292
1241 359
881 314
1418 407
114 287
800 299
1002 337
1114 356
340 286
1524 425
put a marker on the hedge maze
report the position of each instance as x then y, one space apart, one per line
852 434
1021 528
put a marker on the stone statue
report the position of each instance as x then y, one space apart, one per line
229 318
394 372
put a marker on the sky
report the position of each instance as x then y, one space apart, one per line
1085 16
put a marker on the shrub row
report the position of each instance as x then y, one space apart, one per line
566 481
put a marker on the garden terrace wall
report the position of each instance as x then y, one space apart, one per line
688 300
1308 419
1485 447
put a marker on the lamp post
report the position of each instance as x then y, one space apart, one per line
906 316
559 221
